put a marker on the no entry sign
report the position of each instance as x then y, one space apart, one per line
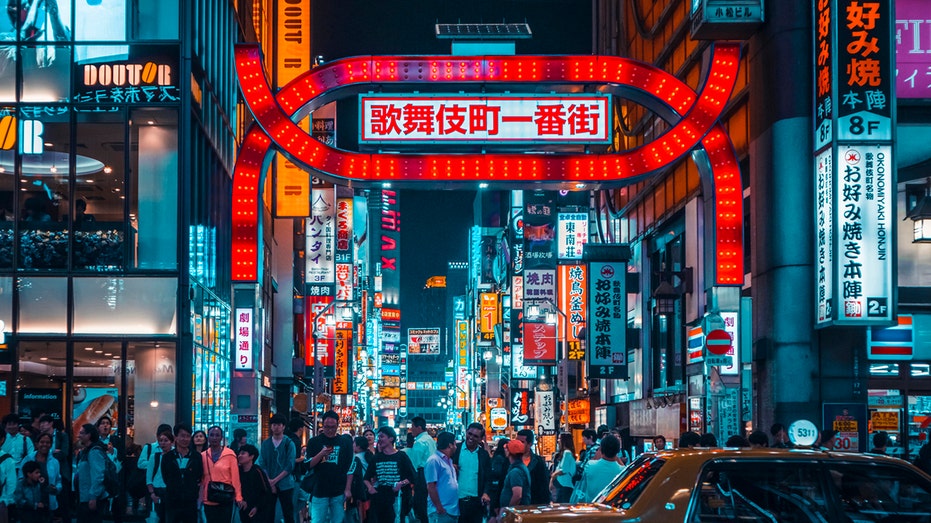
718 344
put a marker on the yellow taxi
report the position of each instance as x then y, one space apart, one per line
744 485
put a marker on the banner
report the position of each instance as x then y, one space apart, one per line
607 330
573 301
342 359
520 408
319 254
539 343
545 412
539 230
423 341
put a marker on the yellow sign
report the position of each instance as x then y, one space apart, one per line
885 420
579 411
292 186
845 425
490 313
341 361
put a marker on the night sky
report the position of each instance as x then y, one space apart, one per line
435 224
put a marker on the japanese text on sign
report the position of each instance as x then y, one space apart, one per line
608 329
573 300
243 339
469 119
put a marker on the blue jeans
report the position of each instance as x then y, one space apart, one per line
327 510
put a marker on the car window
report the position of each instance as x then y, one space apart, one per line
870 492
755 491
627 487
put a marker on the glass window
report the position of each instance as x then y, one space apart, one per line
151 371
921 370
97 211
881 493
153 206
100 20
43 378
623 492
157 19
760 492
125 305
6 303
43 187
43 305
97 383
46 73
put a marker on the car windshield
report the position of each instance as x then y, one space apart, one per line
629 484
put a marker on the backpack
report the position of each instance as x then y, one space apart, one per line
358 489
111 478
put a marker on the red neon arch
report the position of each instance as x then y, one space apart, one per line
273 113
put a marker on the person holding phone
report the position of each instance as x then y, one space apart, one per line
330 456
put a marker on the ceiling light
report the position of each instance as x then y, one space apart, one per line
107 169
151 122
43 358
483 185
89 181
88 348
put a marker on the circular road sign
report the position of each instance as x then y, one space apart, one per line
718 342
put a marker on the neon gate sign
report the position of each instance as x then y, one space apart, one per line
696 113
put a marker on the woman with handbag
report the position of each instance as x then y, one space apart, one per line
221 488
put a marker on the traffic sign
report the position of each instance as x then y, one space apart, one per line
718 342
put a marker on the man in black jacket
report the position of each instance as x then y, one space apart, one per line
539 476
182 469
473 465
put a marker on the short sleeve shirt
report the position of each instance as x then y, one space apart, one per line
518 476
331 472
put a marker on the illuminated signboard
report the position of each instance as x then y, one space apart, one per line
539 343
320 248
342 355
912 49
423 341
243 339
444 118
573 234
573 301
490 313
607 329
148 74
853 162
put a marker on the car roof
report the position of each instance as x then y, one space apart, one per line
702 454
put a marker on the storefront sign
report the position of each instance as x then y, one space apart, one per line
540 286
849 419
390 245
318 331
580 411
545 412
520 408
885 420
539 231
854 178
539 343
573 301
320 244
423 341
490 314
137 74
913 49
243 339
696 345
437 118
607 329
891 343
499 418
342 357
573 234
518 369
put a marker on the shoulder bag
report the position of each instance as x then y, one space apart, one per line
217 491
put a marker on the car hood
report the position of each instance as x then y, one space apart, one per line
562 513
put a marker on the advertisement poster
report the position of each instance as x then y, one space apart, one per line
32 400
93 403
850 421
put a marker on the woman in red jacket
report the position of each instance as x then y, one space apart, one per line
220 466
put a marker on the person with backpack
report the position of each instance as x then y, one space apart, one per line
277 459
356 494
90 466
154 481
182 470
15 443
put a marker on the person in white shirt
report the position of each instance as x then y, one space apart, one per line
15 444
424 447
473 465
7 483
153 474
442 487
599 473
561 478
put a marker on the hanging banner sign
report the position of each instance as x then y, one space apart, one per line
520 371
607 329
453 118
320 254
243 339
573 234
342 356
545 412
520 408
539 343
573 301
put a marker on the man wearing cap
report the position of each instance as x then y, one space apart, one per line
515 490
536 465
276 457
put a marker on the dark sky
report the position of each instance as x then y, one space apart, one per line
435 223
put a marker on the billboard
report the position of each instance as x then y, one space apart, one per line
607 329
853 162
423 341
539 343
500 118
573 234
